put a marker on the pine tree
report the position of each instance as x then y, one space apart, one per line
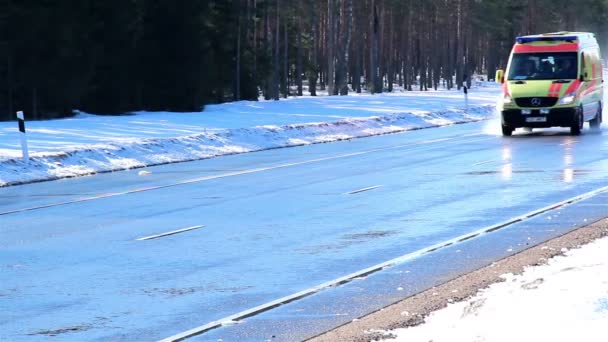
117 56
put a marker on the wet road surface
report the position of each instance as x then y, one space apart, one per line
128 257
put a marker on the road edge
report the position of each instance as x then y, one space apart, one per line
461 288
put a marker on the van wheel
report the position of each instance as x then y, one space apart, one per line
507 131
597 120
577 126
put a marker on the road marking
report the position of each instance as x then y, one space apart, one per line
363 190
373 269
483 162
169 233
230 174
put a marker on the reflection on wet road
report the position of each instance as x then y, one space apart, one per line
275 223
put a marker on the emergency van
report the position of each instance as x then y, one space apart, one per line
552 80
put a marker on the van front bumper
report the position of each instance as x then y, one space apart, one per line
557 117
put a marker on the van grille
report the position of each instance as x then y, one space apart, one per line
542 101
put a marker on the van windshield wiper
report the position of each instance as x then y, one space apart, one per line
561 81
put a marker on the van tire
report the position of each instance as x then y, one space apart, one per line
507 131
597 120
577 126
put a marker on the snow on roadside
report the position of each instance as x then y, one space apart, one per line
90 144
565 300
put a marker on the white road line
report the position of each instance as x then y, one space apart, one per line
169 233
399 260
483 162
229 174
362 190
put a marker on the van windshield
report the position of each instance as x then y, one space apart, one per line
543 66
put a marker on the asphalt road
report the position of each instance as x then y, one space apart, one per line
82 259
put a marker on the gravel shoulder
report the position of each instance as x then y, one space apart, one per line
413 310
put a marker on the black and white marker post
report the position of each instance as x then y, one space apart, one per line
21 119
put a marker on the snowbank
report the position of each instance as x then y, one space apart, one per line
90 144
566 300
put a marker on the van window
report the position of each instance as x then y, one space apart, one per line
543 66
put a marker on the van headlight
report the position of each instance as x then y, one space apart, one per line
507 99
567 99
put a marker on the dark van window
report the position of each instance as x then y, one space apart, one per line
583 64
543 66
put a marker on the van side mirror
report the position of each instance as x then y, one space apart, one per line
500 76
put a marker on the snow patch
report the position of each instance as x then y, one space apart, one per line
88 144
565 300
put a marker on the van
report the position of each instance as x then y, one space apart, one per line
552 80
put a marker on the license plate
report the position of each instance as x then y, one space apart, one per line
537 119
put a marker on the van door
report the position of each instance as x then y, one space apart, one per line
591 86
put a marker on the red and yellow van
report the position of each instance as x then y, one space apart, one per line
552 79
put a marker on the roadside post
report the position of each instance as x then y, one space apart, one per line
24 149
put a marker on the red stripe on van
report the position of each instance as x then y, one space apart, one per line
554 90
592 87
573 86
523 48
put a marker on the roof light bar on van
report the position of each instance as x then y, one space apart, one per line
523 40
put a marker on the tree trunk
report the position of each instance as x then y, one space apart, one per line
380 54
390 69
322 44
299 57
331 42
268 38
313 73
277 49
348 18
358 50
255 45
284 79
373 51
459 47
237 72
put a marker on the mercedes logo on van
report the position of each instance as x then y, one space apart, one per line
535 101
